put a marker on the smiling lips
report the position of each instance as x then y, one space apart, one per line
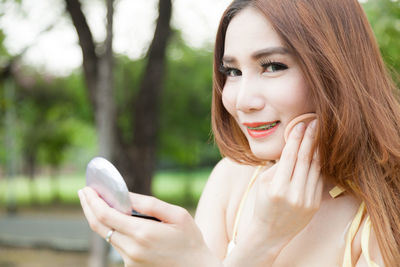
261 129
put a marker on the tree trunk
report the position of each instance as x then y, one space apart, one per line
137 163
105 117
135 160
10 144
90 58
30 160
99 80
105 111
55 187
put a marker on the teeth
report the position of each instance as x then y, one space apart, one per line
263 127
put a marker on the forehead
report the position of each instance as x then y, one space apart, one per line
249 31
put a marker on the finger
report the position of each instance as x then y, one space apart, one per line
128 246
304 159
313 175
112 218
94 224
97 226
164 211
289 155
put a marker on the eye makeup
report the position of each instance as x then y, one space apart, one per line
269 63
229 71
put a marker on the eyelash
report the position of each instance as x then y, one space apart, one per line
226 70
266 63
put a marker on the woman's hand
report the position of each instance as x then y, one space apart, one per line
290 192
176 241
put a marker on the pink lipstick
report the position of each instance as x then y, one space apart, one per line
261 129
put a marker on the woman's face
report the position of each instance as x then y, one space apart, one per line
265 88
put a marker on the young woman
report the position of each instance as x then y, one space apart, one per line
329 195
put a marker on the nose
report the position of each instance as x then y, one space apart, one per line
249 97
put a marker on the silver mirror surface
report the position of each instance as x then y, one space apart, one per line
105 179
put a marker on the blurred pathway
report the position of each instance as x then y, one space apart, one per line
47 231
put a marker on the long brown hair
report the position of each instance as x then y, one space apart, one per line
359 137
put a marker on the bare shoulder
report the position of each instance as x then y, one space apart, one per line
226 168
229 175
223 178
216 200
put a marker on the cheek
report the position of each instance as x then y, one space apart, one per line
229 100
294 96
303 99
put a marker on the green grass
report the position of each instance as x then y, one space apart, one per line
179 187
176 187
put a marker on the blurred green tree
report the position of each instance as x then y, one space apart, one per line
384 16
185 133
184 136
45 110
134 156
186 105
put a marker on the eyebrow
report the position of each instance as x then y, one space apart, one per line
260 53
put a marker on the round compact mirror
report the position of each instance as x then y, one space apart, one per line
105 179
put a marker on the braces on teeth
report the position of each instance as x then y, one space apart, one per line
263 127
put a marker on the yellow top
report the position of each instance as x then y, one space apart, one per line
355 225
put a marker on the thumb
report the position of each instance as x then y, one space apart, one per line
151 206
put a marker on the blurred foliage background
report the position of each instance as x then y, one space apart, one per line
48 131
47 123
53 132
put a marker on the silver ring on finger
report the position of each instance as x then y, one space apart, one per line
109 234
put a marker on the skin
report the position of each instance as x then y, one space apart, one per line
306 118
288 215
259 92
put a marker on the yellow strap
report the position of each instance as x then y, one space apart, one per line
336 191
365 243
350 235
239 212
355 225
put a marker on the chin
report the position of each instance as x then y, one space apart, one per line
267 152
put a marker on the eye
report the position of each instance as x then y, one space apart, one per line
274 67
230 72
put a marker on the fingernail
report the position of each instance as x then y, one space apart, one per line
313 124
316 155
300 129
79 192
311 128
